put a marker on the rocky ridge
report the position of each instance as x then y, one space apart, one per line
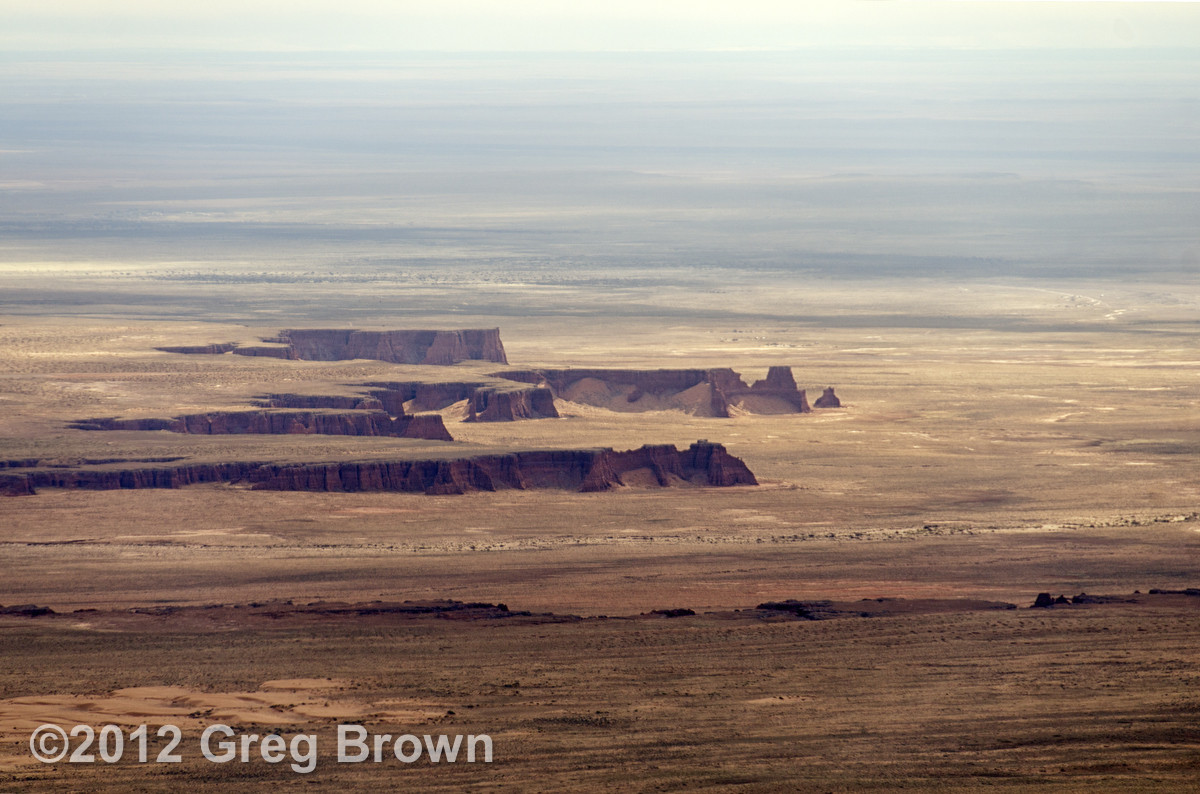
585 470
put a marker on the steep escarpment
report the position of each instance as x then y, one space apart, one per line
506 405
486 402
347 423
341 402
701 392
441 348
215 349
703 464
398 347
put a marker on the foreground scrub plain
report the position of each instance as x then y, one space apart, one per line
974 459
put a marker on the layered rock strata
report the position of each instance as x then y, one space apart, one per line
348 423
703 464
486 402
703 392
441 348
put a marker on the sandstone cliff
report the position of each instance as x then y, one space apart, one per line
485 402
397 347
317 401
348 423
702 464
507 405
702 392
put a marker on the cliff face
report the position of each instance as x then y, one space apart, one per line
778 379
493 405
358 423
703 392
397 347
214 349
424 396
314 401
285 353
702 464
486 403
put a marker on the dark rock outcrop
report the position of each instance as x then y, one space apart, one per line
506 405
285 353
398 347
704 392
16 485
828 399
348 423
214 349
342 402
26 610
702 464
486 402
778 379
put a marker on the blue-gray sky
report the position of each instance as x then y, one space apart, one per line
1037 138
605 25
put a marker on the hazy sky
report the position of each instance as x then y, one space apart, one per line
1031 137
548 25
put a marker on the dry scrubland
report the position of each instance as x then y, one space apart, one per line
995 441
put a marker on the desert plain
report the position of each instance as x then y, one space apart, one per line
997 438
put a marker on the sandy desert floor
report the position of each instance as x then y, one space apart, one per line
996 440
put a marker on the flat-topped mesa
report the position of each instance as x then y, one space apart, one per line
486 402
441 348
348 423
344 402
828 399
701 392
703 464
398 347
508 405
694 391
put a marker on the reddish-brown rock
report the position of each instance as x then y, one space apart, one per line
15 485
506 405
724 388
486 402
828 399
778 379
313 401
702 464
398 347
348 423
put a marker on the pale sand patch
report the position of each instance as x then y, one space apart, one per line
281 701
777 700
